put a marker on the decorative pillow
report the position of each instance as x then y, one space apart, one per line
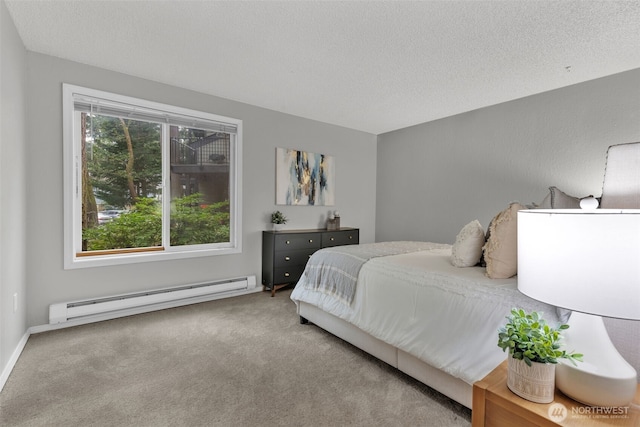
558 199
501 249
467 249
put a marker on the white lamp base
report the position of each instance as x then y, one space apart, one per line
604 378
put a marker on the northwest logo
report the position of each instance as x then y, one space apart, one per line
557 412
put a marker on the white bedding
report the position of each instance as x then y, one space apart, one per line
420 303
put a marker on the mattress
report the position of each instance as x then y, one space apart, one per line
420 303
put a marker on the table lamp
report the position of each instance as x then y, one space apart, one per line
587 261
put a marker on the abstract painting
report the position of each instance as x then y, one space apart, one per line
304 178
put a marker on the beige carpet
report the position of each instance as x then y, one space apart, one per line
242 361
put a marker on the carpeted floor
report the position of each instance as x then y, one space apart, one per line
242 361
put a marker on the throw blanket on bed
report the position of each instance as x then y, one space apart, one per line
334 271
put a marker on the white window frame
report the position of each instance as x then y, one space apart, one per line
72 184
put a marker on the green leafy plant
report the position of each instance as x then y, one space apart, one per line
278 217
529 338
192 222
138 228
195 222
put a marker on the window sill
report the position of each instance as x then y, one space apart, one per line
75 262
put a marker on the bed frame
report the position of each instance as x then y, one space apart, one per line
446 384
625 334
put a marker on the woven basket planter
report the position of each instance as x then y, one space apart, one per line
535 383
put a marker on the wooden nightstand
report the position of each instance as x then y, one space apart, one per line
494 405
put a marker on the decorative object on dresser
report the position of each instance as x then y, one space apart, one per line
285 253
333 222
534 350
278 220
586 261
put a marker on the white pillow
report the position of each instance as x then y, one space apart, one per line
467 249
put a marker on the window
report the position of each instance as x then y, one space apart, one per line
146 181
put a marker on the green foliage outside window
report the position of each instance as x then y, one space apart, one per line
192 223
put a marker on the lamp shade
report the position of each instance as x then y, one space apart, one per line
582 260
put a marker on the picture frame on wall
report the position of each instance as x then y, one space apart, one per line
304 178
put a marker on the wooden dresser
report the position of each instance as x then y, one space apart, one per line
285 253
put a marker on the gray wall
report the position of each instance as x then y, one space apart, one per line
264 130
12 188
448 172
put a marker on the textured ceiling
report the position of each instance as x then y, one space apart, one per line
372 66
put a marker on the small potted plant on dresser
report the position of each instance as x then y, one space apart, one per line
534 350
278 220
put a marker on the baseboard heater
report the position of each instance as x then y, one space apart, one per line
142 302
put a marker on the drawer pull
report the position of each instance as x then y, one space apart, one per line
310 240
288 242
287 258
332 239
286 275
350 237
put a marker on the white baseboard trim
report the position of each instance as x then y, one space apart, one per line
13 359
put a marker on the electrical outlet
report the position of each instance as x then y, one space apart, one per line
15 302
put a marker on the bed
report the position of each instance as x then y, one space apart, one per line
408 305
430 310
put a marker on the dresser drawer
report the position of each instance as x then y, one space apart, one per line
297 241
291 257
339 238
288 274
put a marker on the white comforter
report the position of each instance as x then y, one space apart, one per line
420 303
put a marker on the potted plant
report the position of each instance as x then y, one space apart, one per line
278 219
535 349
